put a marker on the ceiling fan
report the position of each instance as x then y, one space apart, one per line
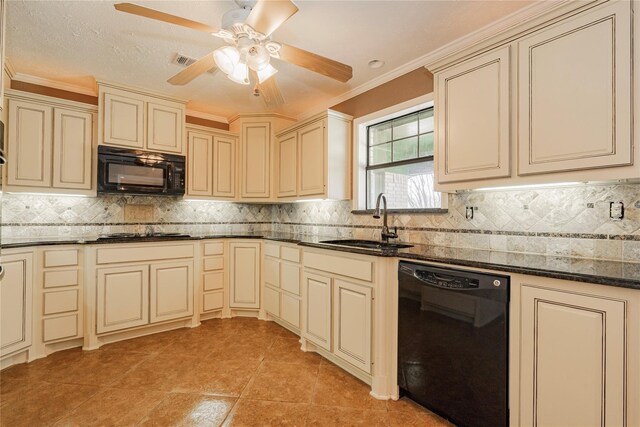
247 55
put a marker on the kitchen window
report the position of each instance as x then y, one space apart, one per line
399 163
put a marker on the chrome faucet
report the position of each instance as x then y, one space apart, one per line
386 234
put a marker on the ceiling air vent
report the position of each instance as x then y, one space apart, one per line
185 61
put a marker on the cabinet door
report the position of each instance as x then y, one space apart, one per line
165 127
575 92
171 291
573 359
290 310
288 165
16 290
224 167
352 323
272 301
200 165
123 121
290 277
256 160
245 275
473 119
72 149
311 159
29 144
122 297
317 328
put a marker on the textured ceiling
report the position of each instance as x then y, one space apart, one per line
77 41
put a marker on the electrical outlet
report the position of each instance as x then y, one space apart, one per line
468 212
616 210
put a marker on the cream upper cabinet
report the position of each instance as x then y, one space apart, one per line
29 144
287 166
224 166
472 114
123 121
200 164
132 118
165 127
171 291
575 93
572 362
50 145
211 163
72 149
314 158
317 303
16 290
255 158
122 297
244 279
352 320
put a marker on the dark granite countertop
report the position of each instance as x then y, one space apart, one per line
603 272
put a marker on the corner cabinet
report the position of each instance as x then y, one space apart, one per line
50 145
244 275
473 107
211 164
255 160
308 151
548 101
140 120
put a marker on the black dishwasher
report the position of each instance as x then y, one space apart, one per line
453 343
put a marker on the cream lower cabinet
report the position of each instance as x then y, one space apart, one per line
16 290
244 275
282 283
50 145
574 367
352 323
214 276
317 325
171 291
122 297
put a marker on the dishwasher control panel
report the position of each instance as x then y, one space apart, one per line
445 281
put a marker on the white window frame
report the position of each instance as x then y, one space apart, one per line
360 144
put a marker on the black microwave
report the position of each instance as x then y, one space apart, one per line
122 170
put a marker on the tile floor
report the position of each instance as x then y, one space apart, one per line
240 372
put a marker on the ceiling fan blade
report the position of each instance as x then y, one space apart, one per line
270 92
325 66
165 17
201 66
267 15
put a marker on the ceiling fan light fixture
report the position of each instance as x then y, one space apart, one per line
240 74
266 73
226 58
258 57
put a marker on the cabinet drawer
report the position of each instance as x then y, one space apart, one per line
290 310
272 272
290 254
214 248
213 301
272 301
60 327
290 278
272 250
358 269
60 258
60 301
213 264
133 253
55 279
213 281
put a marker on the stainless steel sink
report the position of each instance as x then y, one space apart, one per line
367 244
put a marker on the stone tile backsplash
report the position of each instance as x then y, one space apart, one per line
562 221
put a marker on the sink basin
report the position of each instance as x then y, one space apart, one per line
367 244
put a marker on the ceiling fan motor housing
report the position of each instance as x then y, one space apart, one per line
234 16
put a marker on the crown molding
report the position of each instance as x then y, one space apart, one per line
260 115
206 116
490 30
140 91
8 67
43 81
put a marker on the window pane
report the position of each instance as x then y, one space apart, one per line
405 126
426 144
426 121
405 187
405 149
380 154
380 133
